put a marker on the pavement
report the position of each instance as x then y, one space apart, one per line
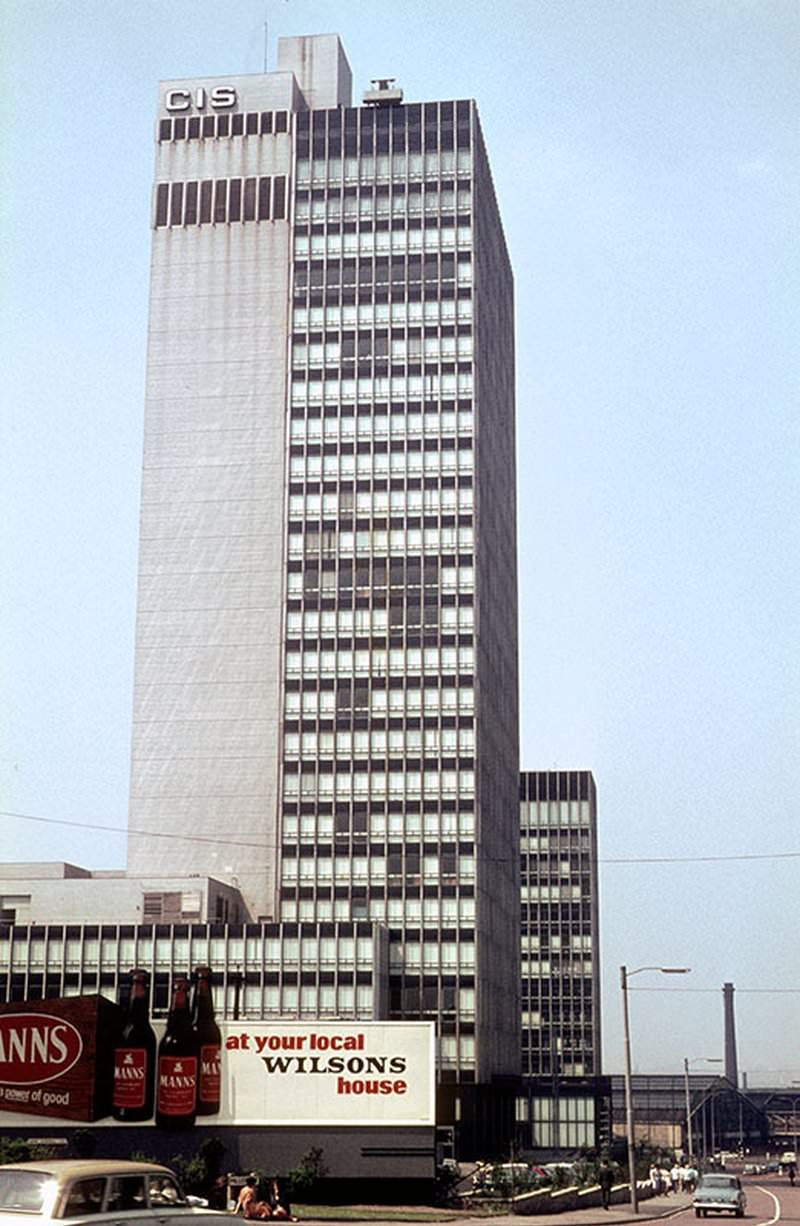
654 1209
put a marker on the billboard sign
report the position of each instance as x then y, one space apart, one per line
54 1057
57 1061
329 1072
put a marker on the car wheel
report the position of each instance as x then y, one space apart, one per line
697 1213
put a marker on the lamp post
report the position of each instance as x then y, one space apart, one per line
625 975
686 1063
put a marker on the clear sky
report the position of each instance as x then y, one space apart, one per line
645 154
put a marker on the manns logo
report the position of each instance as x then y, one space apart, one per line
218 98
36 1047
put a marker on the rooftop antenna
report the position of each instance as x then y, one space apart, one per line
266 31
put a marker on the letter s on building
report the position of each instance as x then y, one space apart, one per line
178 100
223 95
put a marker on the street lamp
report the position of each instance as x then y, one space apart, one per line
795 1134
686 1063
625 975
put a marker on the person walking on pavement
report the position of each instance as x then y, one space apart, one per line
605 1177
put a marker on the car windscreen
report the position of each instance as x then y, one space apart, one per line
23 1191
718 1181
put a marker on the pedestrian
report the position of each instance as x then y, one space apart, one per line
675 1177
218 1195
278 1200
248 1203
655 1180
666 1183
605 1177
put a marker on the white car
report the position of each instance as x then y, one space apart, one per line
89 1191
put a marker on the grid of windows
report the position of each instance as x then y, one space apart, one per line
209 127
379 737
559 953
199 203
260 970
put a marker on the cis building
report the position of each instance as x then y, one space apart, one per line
325 707
325 788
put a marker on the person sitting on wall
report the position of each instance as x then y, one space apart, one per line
248 1203
279 1200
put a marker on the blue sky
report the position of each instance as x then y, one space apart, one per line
646 160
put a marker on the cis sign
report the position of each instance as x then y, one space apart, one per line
219 97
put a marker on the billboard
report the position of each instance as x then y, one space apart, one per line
328 1072
57 1060
53 1058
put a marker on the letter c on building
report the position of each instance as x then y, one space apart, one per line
178 100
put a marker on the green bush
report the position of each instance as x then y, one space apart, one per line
304 1178
14 1149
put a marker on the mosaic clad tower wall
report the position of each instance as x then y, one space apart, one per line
326 680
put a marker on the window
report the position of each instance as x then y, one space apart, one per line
86 1196
162 195
127 1192
205 201
249 199
263 198
279 190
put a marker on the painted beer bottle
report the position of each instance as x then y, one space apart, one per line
209 1044
176 1079
135 1056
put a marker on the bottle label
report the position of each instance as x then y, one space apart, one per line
177 1085
209 1085
130 1077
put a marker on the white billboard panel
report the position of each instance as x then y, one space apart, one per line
328 1073
281 1072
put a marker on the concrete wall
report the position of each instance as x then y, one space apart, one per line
207 698
76 900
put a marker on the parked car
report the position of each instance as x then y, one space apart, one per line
95 1192
719 1193
504 1178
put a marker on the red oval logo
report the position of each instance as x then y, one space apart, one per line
36 1047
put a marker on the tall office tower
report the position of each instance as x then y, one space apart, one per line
560 925
326 669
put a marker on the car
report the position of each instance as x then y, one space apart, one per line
96 1191
504 1178
719 1193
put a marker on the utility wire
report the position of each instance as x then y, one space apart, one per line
198 838
749 991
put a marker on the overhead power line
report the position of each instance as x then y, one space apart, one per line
716 991
251 843
766 855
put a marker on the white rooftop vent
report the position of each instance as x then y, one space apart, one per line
383 93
